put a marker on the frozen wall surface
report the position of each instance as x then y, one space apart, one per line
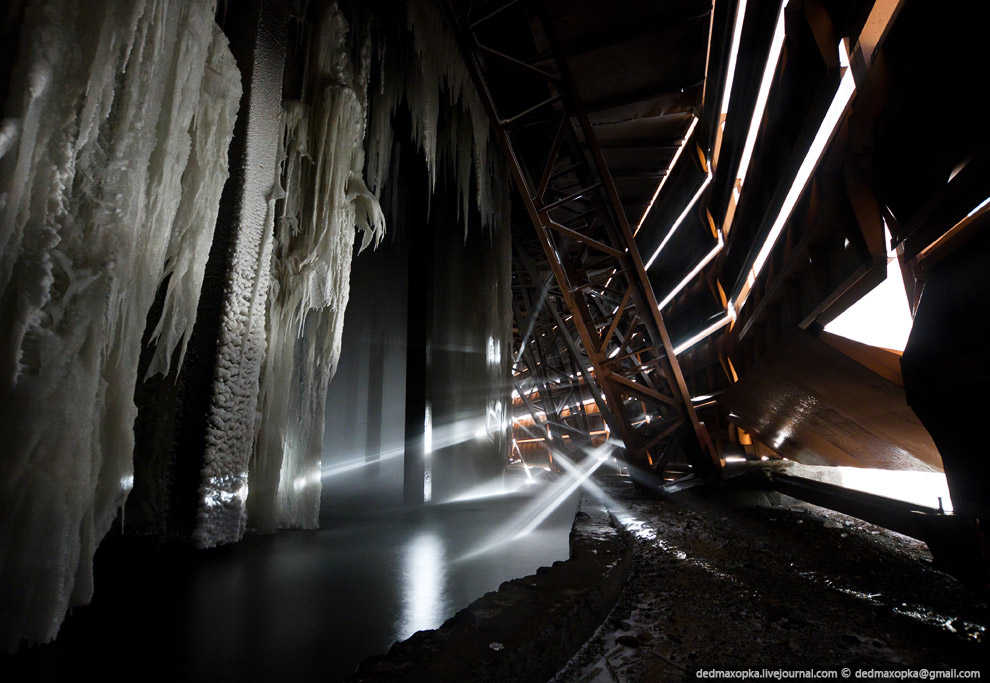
326 203
113 160
417 64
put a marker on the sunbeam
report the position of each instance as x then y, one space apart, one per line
542 506
352 464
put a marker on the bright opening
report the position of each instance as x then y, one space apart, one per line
680 219
882 317
920 488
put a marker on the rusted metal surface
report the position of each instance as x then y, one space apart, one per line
811 403
580 220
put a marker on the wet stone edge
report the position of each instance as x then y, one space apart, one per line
530 627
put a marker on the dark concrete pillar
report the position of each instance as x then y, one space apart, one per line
946 368
206 421
418 351
376 381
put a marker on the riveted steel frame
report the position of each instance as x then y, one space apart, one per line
587 243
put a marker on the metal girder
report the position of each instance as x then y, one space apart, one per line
578 358
549 362
579 256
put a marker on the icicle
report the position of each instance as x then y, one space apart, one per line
94 180
326 203
202 181
428 74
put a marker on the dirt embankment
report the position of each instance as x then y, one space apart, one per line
728 579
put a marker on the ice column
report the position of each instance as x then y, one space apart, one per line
109 172
326 204
248 224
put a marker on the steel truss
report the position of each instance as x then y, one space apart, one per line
585 239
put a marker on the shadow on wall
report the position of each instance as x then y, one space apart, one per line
465 288
363 438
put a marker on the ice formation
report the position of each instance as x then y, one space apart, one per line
242 344
113 160
113 156
326 203
192 230
423 68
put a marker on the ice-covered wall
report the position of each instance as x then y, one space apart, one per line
113 160
113 155
383 61
326 204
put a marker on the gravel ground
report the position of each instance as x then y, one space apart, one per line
730 580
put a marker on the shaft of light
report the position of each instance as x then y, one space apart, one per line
357 463
538 509
532 320
558 501
680 219
670 170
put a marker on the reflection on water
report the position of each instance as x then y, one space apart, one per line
424 578
295 606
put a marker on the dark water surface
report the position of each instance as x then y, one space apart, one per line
297 605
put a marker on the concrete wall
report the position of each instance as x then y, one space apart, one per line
470 350
428 323
366 405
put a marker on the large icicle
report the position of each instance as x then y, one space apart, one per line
326 203
192 232
423 67
96 165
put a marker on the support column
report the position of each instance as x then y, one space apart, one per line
214 430
416 470
376 381
945 368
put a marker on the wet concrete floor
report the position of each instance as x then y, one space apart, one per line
294 606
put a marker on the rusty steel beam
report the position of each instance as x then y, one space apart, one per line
679 384
579 359
535 358
607 242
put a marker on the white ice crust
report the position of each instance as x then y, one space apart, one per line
327 203
113 160
113 155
